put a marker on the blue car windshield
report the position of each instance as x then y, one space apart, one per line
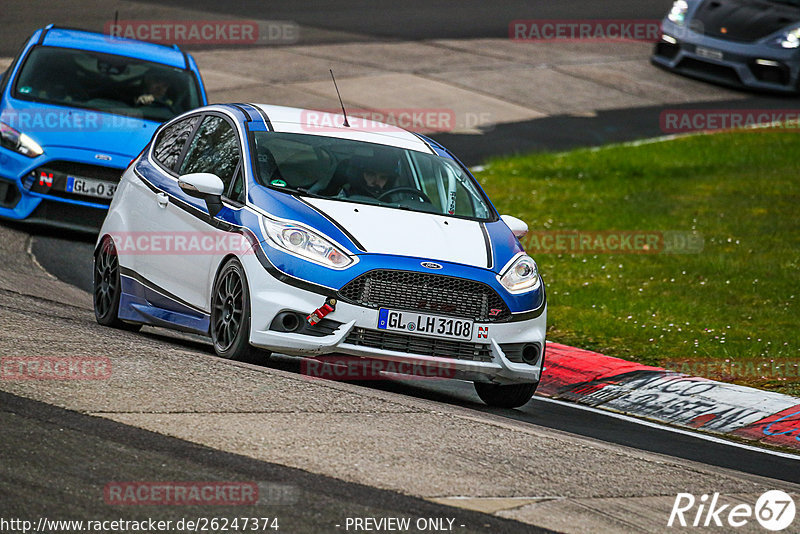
105 82
368 173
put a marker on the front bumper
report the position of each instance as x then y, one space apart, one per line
756 66
22 200
478 359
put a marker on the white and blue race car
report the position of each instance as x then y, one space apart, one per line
279 229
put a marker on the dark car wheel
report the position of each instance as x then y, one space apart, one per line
505 396
230 314
107 287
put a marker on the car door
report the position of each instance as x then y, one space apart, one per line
147 197
194 243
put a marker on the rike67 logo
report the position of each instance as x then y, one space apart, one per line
774 510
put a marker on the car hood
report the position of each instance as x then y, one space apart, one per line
382 230
57 126
743 20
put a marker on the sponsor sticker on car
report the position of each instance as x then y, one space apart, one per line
425 325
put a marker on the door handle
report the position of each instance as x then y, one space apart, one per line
163 199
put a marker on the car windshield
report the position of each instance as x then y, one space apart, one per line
367 173
104 82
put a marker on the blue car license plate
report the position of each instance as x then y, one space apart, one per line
89 187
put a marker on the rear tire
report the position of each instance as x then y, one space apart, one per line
107 287
505 396
230 314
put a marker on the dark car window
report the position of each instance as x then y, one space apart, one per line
170 142
237 189
214 149
368 173
106 82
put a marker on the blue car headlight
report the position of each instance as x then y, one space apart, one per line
790 38
521 276
19 142
678 12
305 243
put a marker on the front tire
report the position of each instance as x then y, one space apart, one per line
230 314
107 287
507 395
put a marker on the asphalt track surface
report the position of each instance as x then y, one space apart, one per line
76 455
76 268
427 19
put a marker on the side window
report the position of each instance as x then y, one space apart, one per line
214 149
171 140
237 190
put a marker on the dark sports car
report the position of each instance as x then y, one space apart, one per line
739 43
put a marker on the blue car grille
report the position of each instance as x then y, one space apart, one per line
56 173
426 293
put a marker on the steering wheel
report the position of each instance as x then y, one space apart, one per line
416 192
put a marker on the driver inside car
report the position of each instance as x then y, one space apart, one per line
154 91
371 176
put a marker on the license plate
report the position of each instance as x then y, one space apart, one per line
708 52
426 325
89 187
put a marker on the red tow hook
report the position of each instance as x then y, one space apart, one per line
322 311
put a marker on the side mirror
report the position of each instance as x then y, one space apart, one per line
518 227
204 185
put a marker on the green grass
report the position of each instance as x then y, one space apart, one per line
736 301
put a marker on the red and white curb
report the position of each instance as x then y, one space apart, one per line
657 394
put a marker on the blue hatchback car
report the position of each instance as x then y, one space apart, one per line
292 231
75 108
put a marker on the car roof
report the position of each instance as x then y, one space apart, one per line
315 122
98 42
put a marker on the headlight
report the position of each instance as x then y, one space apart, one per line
791 39
521 276
678 12
19 142
307 244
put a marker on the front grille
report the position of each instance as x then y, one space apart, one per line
422 292
441 348
51 179
705 69
96 172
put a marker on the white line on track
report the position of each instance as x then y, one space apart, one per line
643 422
